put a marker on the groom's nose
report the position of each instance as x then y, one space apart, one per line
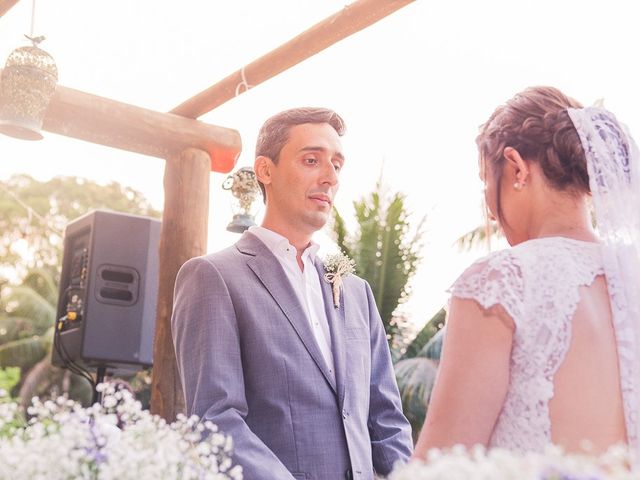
329 174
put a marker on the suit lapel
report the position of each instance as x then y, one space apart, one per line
335 316
271 274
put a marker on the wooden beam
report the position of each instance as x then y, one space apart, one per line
186 187
6 5
349 20
119 125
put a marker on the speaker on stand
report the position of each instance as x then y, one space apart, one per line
108 292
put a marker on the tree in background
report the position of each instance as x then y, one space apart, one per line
477 238
416 371
385 251
27 323
33 215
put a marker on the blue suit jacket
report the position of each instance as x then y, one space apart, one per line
249 363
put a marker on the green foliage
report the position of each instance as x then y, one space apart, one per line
426 334
415 377
26 324
26 352
32 237
9 378
433 348
385 252
416 371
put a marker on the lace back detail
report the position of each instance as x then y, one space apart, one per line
537 283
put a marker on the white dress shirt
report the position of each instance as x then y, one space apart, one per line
306 285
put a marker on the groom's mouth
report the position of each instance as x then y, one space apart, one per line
321 199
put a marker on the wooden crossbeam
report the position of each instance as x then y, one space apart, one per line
119 125
351 19
6 5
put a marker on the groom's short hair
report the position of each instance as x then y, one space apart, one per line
275 131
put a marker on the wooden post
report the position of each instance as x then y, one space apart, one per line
184 235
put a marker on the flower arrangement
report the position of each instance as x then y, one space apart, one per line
480 464
336 267
244 187
115 440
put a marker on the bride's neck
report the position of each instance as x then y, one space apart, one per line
566 218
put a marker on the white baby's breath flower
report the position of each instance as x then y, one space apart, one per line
336 267
115 440
553 464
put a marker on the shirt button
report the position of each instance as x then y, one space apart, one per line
344 414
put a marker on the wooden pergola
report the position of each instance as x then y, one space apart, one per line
192 149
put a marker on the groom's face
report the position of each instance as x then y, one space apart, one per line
305 179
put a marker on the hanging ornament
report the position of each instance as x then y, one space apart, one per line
27 84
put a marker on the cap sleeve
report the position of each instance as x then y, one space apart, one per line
493 280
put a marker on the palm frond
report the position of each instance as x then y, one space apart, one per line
431 328
24 301
341 233
42 281
16 328
366 252
383 253
477 237
22 353
415 377
433 349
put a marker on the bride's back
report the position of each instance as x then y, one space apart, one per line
587 401
536 353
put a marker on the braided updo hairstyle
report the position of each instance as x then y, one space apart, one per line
535 122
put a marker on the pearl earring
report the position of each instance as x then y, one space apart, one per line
518 186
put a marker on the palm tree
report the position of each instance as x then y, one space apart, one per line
477 237
416 371
26 338
385 252
431 328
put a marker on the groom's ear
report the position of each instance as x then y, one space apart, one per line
518 165
262 168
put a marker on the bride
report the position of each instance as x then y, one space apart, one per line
542 340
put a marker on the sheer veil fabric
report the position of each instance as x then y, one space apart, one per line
613 162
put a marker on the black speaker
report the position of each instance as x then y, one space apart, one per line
108 292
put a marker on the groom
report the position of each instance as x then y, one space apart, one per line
306 389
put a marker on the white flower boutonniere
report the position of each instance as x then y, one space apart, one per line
336 267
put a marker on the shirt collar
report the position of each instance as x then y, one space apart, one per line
280 245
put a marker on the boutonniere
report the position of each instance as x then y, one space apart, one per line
336 267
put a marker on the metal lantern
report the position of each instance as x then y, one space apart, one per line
245 189
28 82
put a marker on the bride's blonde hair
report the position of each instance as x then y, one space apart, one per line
535 122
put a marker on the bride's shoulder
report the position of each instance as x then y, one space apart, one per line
530 253
495 279
500 260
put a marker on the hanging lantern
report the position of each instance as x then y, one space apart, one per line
28 82
245 189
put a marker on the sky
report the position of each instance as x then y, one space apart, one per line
413 90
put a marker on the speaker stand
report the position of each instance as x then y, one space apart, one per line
97 396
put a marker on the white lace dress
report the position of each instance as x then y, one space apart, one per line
537 283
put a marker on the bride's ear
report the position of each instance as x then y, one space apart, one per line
518 165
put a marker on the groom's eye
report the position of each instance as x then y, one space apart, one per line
311 160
